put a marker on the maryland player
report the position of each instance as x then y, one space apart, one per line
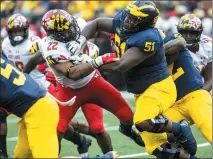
19 47
142 59
71 80
199 45
22 96
194 103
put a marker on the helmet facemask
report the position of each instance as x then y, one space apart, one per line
73 33
191 37
138 16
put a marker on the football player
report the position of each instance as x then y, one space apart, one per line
17 44
89 87
142 60
186 107
199 45
23 97
18 47
194 103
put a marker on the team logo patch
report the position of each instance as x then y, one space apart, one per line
56 59
34 48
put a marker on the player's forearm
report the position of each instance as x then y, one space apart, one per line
174 46
109 67
33 62
31 65
79 71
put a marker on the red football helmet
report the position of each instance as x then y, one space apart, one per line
14 23
60 25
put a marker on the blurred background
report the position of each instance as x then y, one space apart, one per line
170 12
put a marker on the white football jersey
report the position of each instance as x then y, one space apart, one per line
55 52
204 55
20 55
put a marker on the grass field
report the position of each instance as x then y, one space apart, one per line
125 147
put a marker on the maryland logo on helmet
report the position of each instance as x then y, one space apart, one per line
17 20
57 20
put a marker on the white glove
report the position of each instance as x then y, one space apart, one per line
78 59
76 46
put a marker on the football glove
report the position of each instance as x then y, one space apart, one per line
104 59
76 46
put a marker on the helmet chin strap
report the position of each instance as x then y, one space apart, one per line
18 38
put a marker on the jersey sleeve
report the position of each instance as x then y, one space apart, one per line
172 37
149 40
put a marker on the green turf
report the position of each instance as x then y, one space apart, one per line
123 145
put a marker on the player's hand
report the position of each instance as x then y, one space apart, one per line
78 59
104 59
76 46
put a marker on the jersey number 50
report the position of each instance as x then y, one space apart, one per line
7 72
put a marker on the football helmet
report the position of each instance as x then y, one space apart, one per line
60 25
191 28
139 15
15 23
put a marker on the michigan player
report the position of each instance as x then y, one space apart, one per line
19 47
38 111
194 103
22 96
199 45
140 48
